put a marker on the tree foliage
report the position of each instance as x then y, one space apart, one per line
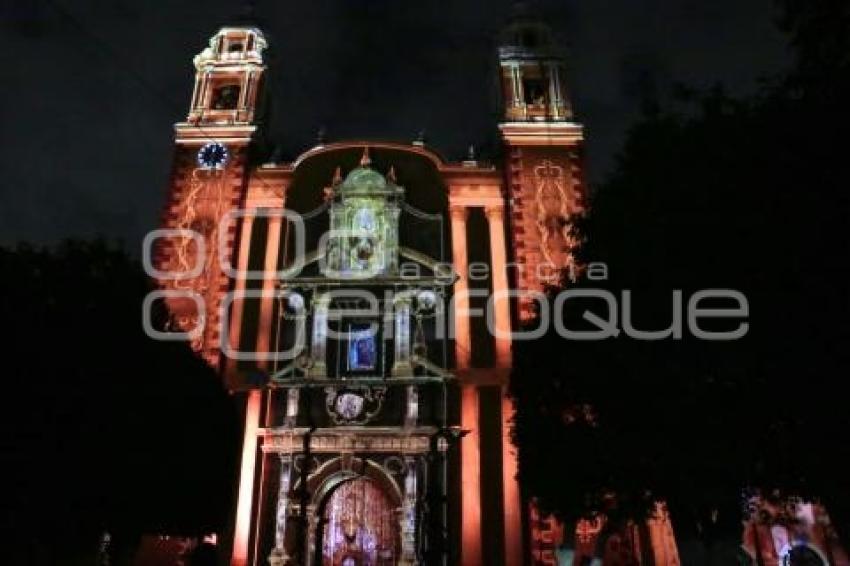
710 192
105 430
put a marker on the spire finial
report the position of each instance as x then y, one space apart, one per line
391 174
328 192
471 159
365 160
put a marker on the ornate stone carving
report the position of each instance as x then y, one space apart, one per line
200 213
552 214
353 405
337 440
278 555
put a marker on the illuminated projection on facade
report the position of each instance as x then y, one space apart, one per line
376 427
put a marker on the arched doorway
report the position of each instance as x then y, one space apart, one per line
360 526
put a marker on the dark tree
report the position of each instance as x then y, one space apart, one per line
105 430
710 192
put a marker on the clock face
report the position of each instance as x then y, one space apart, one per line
349 405
213 156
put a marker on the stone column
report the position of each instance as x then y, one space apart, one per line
292 397
555 101
195 90
390 248
401 338
238 306
321 305
501 301
265 330
244 86
558 95
470 552
407 519
312 534
463 336
510 487
242 529
520 92
278 555
206 91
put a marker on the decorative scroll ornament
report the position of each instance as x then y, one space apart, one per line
394 465
312 464
203 207
354 405
553 211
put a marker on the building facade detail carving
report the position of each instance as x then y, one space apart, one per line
368 442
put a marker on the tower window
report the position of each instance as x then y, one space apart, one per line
225 97
535 91
234 47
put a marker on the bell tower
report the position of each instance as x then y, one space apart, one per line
228 77
543 149
533 74
543 175
208 180
544 178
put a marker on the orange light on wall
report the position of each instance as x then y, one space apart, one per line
513 509
463 336
264 333
239 304
242 530
501 299
470 479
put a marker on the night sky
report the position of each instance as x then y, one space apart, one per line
90 89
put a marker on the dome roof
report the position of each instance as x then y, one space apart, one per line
363 180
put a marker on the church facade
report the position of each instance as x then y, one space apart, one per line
340 296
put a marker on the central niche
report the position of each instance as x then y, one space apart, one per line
362 348
364 217
367 236
356 347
